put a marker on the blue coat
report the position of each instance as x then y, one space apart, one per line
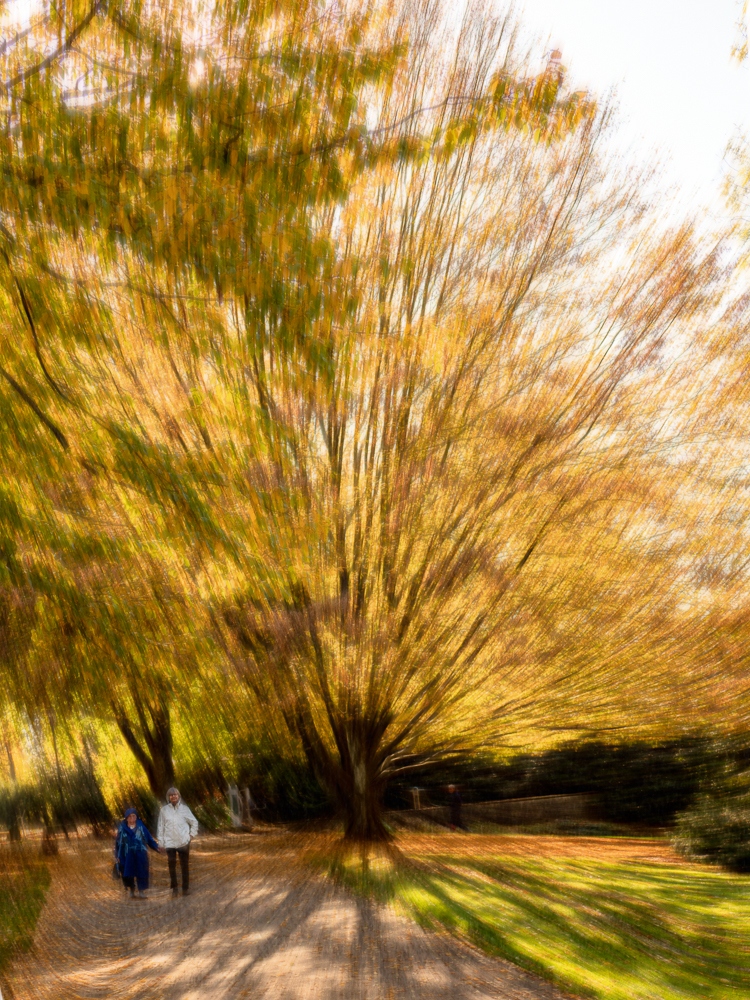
131 849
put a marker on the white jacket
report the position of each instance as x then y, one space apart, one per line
177 825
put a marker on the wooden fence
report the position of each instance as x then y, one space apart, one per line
514 812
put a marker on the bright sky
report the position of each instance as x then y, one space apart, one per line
679 90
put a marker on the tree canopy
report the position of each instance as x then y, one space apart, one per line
342 366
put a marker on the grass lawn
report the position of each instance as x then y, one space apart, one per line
23 884
589 918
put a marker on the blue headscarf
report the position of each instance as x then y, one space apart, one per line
124 825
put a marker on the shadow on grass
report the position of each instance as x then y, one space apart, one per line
601 929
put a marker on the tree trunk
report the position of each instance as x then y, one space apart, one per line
153 750
58 772
161 774
49 844
11 762
363 815
360 786
14 823
352 773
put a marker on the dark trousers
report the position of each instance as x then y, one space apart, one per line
129 882
184 853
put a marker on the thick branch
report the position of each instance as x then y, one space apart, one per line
51 427
130 738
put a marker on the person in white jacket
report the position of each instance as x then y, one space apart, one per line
177 827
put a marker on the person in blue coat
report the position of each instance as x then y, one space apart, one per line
131 853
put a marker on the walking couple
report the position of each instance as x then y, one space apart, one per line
177 827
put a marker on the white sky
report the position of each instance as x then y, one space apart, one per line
679 90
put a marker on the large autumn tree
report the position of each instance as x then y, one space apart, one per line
338 355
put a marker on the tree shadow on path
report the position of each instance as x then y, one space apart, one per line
258 923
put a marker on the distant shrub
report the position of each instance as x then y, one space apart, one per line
716 828
638 782
213 814
21 802
202 783
283 787
82 799
54 801
644 783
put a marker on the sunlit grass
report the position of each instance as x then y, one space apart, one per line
615 930
23 885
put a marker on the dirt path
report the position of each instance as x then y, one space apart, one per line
258 924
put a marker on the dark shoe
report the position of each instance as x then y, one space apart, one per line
175 894
185 892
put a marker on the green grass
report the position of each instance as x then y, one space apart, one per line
23 885
610 930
